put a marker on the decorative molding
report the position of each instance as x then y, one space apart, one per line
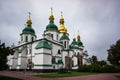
57 56
43 53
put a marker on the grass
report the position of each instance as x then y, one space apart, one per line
57 75
8 78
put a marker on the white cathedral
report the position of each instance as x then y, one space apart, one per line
52 52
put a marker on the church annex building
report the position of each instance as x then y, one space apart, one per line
52 52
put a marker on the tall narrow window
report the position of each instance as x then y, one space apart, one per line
52 36
32 39
57 36
21 38
26 38
30 51
65 44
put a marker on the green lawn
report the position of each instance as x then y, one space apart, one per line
8 78
57 75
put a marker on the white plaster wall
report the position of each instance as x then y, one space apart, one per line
15 60
19 59
55 33
55 49
38 59
23 59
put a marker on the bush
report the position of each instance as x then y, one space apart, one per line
110 68
63 70
98 68
84 68
95 68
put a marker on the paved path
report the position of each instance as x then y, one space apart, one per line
28 76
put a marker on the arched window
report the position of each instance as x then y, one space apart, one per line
26 38
32 39
65 44
57 36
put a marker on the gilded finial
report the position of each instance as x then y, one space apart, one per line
51 10
29 22
61 19
62 28
51 18
61 14
78 37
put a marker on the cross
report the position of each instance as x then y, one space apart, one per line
78 31
51 10
29 14
61 14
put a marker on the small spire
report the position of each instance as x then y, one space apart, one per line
61 14
51 18
61 19
29 22
51 11
78 37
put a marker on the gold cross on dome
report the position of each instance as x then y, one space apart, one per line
29 14
61 14
51 10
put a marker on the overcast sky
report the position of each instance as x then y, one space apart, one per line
98 21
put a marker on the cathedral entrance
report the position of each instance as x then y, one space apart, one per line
68 62
79 57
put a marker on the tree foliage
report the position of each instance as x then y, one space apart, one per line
114 53
4 52
93 59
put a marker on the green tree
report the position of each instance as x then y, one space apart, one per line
93 59
114 53
4 52
101 63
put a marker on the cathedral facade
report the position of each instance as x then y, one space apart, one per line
53 51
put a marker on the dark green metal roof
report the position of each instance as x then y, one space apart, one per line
28 30
43 44
21 48
64 37
51 26
79 43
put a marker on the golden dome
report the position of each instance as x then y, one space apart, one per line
62 28
29 22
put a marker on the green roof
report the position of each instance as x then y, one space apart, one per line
79 43
28 30
64 37
74 42
73 47
21 48
51 26
43 44
59 62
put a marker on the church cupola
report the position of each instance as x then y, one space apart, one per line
62 28
51 31
28 33
51 25
79 43
65 41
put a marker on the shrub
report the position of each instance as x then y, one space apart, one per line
110 68
98 68
63 70
95 68
84 68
